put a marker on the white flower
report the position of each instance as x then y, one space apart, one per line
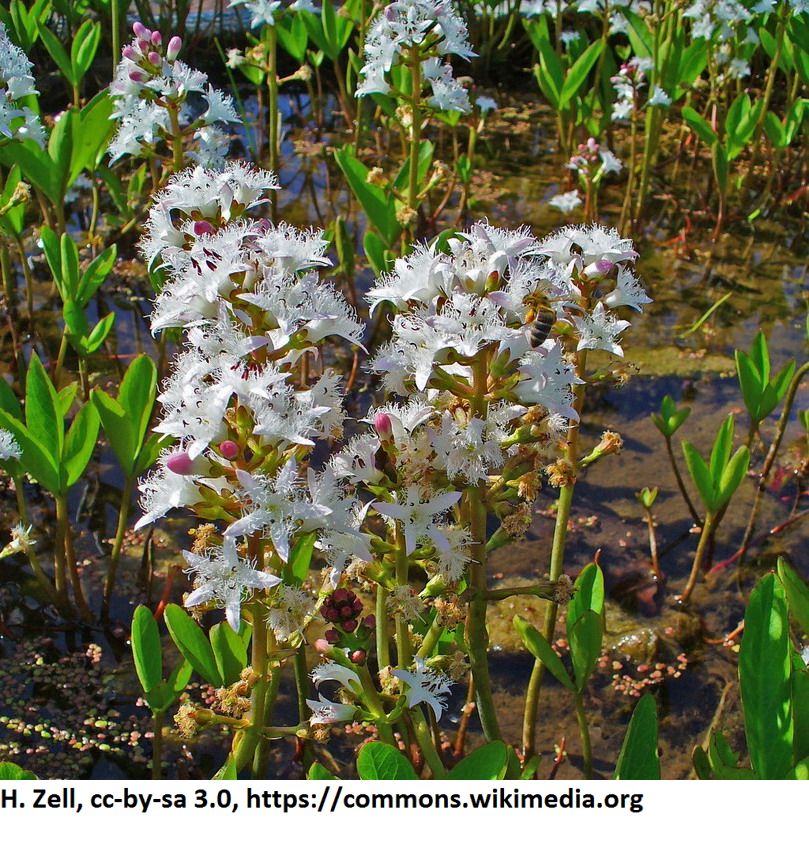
628 292
600 330
418 515
220 107
325 712
222 576
566 202
659 97
290 613
9 448
485 104
425 686
262 12
346 677
609 163
546 379
20 541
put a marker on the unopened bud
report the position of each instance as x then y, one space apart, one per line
383 426
137 76
180 463
229 449
598 269
358 657
203 228
322 646
156 38
174 47
140 31
154 58
129 53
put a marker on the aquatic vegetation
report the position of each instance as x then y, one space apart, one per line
364 309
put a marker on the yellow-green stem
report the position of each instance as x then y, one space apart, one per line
477 635
117 544
704 539
557 565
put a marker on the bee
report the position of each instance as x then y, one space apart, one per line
541 317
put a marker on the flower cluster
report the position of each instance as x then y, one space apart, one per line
249 301
17 121
152 91
433 30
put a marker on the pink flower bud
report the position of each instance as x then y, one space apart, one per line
203 228
174 47
180 463
140 31
156 38
383 426
144 46
129 53
369 621
154 58
137 76
322 646
229 449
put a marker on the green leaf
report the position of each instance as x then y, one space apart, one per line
585 646
426 149
489 763
95 274
700 126
381 762
575 78
117 428
376 203
12 772
700 474
193 644
146 649
639 757
84 47
230 652
179 677
43 416
57 52
98 335
317 772
733 475
227 772
300 559
375 252
536 644
137 395
588 595
797 593
79 445
35 459
765 682
800 708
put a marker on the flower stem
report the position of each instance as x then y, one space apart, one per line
557 566
584 733
118 541
704 539
157 744
425 741
477 636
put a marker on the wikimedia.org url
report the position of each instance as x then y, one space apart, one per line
328 799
